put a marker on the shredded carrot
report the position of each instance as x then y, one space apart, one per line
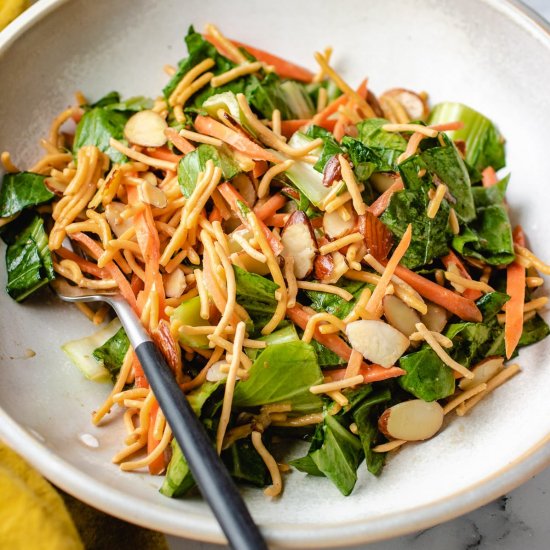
451 301
179 141
284 68
215 215
515 288
289 127
85 265
114 272
271 206
329 110
452 258
277 220
370 373
163 153
158 465
209 126
489 177
448 126
381 203
149 244
260 168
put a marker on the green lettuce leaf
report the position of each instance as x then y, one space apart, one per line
330 145
21 190
338 456
111 354
448 166
199 49
427 377
28 261
178 480
409 206
193 163
244 463
366 417
484 144
282 373
488 238
96 127
387 146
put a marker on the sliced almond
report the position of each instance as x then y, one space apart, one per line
382 181
378 238
118 224
399 315
414 420
152 195
336 227
435 318
214 373
299 242
372 100
483 372
175 284
150 177
323 267
146 128
416 107
377 341
246 188
332 171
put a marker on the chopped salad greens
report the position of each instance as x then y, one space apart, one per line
315 262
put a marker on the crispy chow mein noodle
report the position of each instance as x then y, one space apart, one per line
300 265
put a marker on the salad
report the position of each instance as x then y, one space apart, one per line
315 262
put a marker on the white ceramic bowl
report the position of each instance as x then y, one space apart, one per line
489 54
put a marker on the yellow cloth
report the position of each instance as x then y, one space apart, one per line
10 9
33 515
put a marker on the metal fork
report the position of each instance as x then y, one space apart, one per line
208 470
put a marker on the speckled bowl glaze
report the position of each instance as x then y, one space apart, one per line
493 55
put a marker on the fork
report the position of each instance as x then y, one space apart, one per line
209 472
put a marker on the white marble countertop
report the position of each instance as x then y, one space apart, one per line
517 520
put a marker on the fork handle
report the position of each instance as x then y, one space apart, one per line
211 475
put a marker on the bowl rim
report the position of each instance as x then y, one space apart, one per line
204 528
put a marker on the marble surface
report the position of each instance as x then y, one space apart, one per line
519 519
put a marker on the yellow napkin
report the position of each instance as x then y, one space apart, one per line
10 9
33 515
